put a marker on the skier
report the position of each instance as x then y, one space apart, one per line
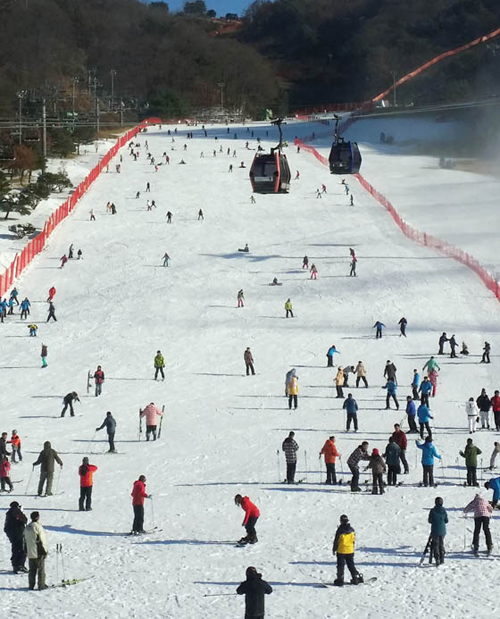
10 304
343 545
159 364
3 446
494 454
52 312
438 519
390 371
13 295
15 441
151 412
484 404
353 264
25 308
33 329
166 259
248 358
348 369
52 293
377 465
360 453
392 455
44 354
15 523
288 308
339 382
453 345
290 447
361 374
305 262
329 356
493 484
352 200
92 216
351 408
98 380
110 423
400 439
391 393
470 454
252 200
169 217
465 349
410 414
314 272
68 401
482 514
46 459
5 468
252 514
378 326
433 378
297 175
330 453
425 390
402 326
415 383
79 254
254 589
431 364
442 341
428 454
495 405
70 252
148 187
293 391
3 309
240 298
288 377
37 549
472 414
200 215
424 416
64 259
486 353
138 495
86 472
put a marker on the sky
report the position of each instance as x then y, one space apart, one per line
220 6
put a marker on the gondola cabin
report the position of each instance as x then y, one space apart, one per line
345 157
270 173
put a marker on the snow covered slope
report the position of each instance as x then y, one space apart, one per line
223 431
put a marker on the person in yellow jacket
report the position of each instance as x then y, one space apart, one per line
292 389
339 382
343 546
288 308
159 364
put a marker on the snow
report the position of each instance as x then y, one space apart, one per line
222 430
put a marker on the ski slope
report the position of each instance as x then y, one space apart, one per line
222 430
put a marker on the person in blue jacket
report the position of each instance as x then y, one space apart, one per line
329 355
425 390
428 454
438 519
3 309
379 326
13 295
391 393
351 408
494 484
415 383
424 416
411 412
25 308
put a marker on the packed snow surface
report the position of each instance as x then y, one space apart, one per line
222 431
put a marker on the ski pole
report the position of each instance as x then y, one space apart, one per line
58 478
279 465
57 562
305 460
92 442
217 595
459 473
152 512
140 424
442 470
29 480
482 470
319 469
62 562
465 531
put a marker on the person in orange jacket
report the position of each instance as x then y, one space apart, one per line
15 441
98 380
86 472
138 495
330 452
251 516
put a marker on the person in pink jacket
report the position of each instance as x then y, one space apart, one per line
151 412
433 377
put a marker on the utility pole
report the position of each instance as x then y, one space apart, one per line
97 113
21 94
394 73
44 133
112 73
74 81
121 113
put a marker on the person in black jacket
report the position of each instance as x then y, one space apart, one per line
46 459
15 522
442 341
68 401
254 589
110 424
3 446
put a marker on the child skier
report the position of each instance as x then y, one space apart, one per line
15 441
5 474
438 519
251 516
377 465
343 546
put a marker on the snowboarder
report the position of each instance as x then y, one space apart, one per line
425 390
390 371
361 374
314 272
248 358
110 423
288 308
377 465
52 312
166 259
493 484
240 298
400 439
86 472
330 453
46 459
442 341
424 416
428 454
37 549
378 326
44 354
495 405
392 455
470 454
151 412
5 468
486 353
339 382
15 441
68 401
98 380
438 519
305 262
351 408
159 364
472 414
138 495
15 523
293 391
402 326
329 356
290 447
410 414
482 514
360 453
391 393
343 546
252 514
254 589
484 404
453 345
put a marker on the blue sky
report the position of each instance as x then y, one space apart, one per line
220 6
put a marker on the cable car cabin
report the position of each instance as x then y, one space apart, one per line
344 158
270 173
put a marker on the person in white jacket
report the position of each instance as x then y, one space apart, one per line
36 550
472 414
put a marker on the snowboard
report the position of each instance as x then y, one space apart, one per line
368 581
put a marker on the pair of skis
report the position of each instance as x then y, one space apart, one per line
161 422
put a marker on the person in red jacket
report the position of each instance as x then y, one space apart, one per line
138 495
400 439
86 472
495 404
98 380
251 516
52 293
329 451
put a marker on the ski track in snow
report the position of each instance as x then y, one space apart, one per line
221 431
